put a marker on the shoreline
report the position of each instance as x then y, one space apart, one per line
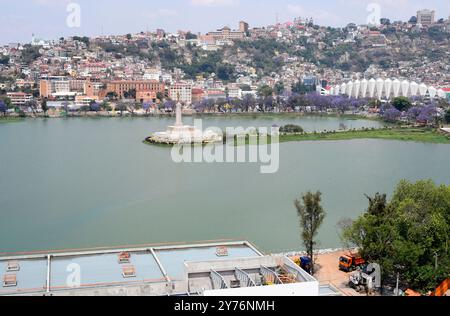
188 114
405 134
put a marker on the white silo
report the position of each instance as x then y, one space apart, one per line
441 93
388 88
343 88
356 88
433 92
372 86
364 85
423 89
337 89
405 88
380 86
414 88
396 84
350 88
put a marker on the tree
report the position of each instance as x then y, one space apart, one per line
402 103
413 20
146 106
447 116
44 106
279 88
105 106
291 128
4 60
85 109
248 102
385 21
65 105
408 234
112 95
3 107
133 107
130 94
32 105
311 216
190 36
121 107
94 106
160 96
265 91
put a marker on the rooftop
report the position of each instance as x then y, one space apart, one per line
104 269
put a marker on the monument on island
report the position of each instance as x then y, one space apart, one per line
183 134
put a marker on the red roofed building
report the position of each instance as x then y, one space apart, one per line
197 94
447 91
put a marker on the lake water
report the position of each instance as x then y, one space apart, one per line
92 182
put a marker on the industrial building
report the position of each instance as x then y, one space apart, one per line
210 269
386 89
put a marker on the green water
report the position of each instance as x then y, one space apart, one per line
92 182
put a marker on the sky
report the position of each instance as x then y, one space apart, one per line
48 18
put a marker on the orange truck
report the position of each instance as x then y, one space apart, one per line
351 262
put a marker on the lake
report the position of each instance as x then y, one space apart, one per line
77 183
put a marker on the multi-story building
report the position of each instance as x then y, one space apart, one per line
123 86
146 96
19 98
426 17
92 88
227 34
54 86
181 92
243 27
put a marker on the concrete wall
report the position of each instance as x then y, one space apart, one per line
296 289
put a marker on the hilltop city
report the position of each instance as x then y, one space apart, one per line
326 147
248 69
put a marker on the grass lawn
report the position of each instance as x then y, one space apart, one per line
422 135
10 119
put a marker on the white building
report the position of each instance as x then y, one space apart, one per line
426 17
181 92
19 98
385 89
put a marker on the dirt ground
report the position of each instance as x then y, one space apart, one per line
327 272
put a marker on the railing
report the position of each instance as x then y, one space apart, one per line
218 281
244 278
270 277
293 272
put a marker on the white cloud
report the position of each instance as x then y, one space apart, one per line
215 3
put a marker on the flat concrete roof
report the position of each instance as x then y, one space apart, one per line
53 272
104 269
32 276
173 259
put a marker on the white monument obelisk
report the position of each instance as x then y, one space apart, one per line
179 115
183 134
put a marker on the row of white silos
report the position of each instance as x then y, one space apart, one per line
385 89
